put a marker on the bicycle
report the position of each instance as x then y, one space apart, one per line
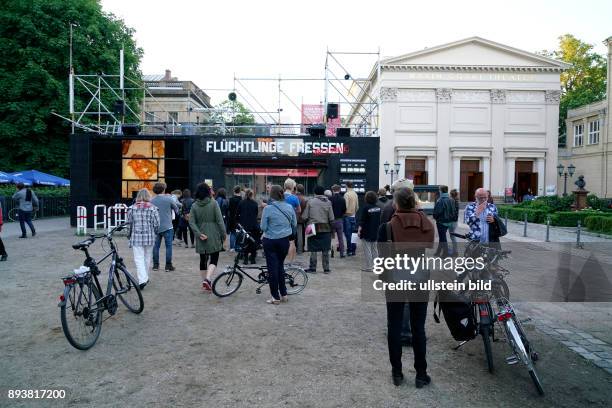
82 304
13 214
229 281
505 315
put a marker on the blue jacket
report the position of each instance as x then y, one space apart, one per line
278 220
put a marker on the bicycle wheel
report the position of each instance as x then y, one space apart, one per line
127 290
520 349
500 289
81 317
295 279
13 215
227 283
485 332
536 381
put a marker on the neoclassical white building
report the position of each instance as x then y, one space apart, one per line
468 114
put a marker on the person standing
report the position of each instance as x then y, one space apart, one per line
413 227
368 229
444 214
319 212
278 223
300 193
247 217
382 198
143 224
186 203
231 216
221 198
206 221
3 254
454 195
166 206
176 195
479 215
28 203
349 222
339 209
293 201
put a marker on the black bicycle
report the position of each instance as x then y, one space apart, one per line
499 295
82 303
230 279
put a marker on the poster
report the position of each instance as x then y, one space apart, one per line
142 165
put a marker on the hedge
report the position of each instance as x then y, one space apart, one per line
571 218
9 189
514 213
599 223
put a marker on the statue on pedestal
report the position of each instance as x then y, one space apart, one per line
580 194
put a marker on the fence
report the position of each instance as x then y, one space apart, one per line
47 207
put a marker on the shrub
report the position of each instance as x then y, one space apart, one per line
597 203
536 215
571 218
599 223
9 189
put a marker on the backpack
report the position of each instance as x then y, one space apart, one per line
458 315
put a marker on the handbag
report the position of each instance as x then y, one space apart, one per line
311 230
497 227
293 229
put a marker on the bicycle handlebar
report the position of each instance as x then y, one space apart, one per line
459 235
92 238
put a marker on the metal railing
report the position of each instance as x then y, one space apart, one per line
47 207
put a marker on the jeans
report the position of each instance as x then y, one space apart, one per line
25 217
2 249
349 225
232 240
324 260
371 251
338 229
395 317
275 251
443 243
299 243
142 259
184 230
168 237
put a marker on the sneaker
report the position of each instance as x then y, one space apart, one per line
398 379
156 267
310 270
169 268
326 271
3 258
206 285
422 380
23 236
142 285
33 233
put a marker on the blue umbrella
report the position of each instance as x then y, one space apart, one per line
40 178
16 179
5 178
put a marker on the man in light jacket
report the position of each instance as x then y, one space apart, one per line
319 212
166 205
350 222
28 203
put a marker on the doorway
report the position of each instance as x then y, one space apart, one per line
470 179
415 171
526 179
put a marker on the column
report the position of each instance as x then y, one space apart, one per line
443 96
388 107
431 170
552 136
498 106
486 170
510 169
541 174
456 173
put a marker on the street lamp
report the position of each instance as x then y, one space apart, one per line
394 170
562 173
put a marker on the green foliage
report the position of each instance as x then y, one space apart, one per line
34 68
518 213
597 203
584 82
599 224
234 113
571 218
8 190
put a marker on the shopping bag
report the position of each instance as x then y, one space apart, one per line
311 230
354 238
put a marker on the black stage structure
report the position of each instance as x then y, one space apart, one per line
107 169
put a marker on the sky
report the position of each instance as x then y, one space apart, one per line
211 42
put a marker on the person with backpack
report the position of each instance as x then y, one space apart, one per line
320 214
339 207
444 214
3 254
412 228
186 203
278 224
206 221
369 221
27 203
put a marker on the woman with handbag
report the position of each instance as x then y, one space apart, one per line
143 223
319 212
278 224
206 221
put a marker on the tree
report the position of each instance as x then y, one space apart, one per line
34 50
234 113
584 82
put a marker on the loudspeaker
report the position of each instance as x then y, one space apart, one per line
316 130
332 110
119 107
130 129
343 132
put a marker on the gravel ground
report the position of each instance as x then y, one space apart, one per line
325 348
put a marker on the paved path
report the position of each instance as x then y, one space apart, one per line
12 229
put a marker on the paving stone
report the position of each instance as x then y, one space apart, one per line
569 343
578 349
584 335
583 342
590 356
604 355
595 349
564 331
609 370
597 341
603 363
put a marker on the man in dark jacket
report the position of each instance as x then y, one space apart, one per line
382 198
444 214
339 207
232 211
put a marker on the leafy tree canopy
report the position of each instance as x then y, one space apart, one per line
584 82
34 68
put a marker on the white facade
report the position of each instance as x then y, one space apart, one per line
473 104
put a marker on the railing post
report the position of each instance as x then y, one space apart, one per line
525 225
579 228
506 219
548 229
81 220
